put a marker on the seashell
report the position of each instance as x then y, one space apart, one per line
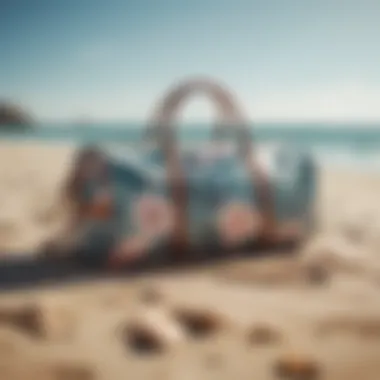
152 331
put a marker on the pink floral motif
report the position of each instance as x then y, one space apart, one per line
154 216
237 222
129 250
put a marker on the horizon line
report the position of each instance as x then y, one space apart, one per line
204 122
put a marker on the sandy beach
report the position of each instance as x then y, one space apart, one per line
250 319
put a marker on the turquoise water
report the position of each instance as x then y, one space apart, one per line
365 135
331 144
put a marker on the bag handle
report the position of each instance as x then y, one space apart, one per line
163 121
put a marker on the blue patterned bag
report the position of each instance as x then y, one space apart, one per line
161 199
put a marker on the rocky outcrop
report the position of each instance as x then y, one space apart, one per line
13 116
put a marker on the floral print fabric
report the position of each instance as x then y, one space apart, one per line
221 200
237 222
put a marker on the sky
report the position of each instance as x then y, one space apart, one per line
286 60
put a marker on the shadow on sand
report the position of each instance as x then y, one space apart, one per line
25 271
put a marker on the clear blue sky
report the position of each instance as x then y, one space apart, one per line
110 59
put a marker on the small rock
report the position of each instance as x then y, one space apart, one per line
199 323
39 320
263 335
296 367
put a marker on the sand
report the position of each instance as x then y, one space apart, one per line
250 319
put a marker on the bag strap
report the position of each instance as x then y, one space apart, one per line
163 122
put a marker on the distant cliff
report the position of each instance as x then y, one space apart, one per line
14 117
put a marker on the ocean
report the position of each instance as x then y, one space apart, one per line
350 146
